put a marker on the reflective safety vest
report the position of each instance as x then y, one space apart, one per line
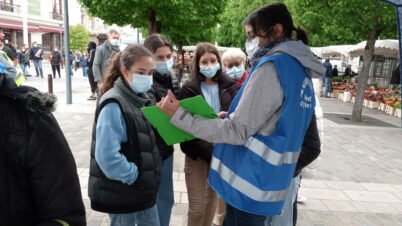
255 177
19 77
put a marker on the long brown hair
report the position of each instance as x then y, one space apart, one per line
263 19
155 41
203 48
125 58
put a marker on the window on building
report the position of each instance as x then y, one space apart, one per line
46 41
7 5
34 7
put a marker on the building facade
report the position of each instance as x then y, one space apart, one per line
45 22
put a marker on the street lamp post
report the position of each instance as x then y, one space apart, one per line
398 5
67 54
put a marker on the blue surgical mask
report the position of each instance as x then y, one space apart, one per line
114 42
141 83
210 71
164 67
235 72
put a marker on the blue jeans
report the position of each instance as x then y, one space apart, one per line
147 217
286 218
165 195
22 66
236 217
84 71
327 86
38 67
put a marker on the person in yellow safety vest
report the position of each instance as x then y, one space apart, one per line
14 71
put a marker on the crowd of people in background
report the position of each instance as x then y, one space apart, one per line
242 169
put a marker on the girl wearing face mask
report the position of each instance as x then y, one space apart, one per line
259 143
125 164
218 90
234 61
163 80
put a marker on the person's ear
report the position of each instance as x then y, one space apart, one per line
124 71
278 31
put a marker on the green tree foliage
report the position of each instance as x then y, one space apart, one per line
328 22
79 37
231 30
183 22
345 21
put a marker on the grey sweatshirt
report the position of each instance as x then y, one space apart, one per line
259 108
102 58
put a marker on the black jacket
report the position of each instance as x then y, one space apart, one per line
311 147
38 175
9 52
91 52
32 53
56 60
22 59
227 90
112 196
160 87
396 79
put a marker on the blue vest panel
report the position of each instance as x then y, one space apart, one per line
255 177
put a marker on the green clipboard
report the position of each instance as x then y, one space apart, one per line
170 133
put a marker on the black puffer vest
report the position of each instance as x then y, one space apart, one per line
113 196
163 83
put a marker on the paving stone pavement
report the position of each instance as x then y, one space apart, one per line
357 179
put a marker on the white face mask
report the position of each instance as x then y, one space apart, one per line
252 46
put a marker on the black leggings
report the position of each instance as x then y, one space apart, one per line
54 68
91 79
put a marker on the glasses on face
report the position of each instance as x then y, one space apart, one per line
250 35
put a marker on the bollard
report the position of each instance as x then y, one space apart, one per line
50 83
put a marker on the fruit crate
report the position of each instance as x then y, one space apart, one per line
397 113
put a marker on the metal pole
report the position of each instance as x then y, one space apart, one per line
138 36
25 22
398 6
399 18
50 83
67 54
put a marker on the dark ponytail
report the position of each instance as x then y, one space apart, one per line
126 59
301 35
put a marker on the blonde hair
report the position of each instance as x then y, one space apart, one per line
234 53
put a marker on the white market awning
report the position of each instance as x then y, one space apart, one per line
336 51
387 48
192 48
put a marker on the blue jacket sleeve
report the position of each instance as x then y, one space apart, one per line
110 133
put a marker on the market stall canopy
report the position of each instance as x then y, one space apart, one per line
316 51
336 51
192 48
333 52
387 48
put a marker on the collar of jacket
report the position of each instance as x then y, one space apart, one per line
110 47
32 99
139 100
162 79
224 83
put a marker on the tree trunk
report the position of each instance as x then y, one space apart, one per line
363 77
153 25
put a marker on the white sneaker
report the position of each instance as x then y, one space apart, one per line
301 199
